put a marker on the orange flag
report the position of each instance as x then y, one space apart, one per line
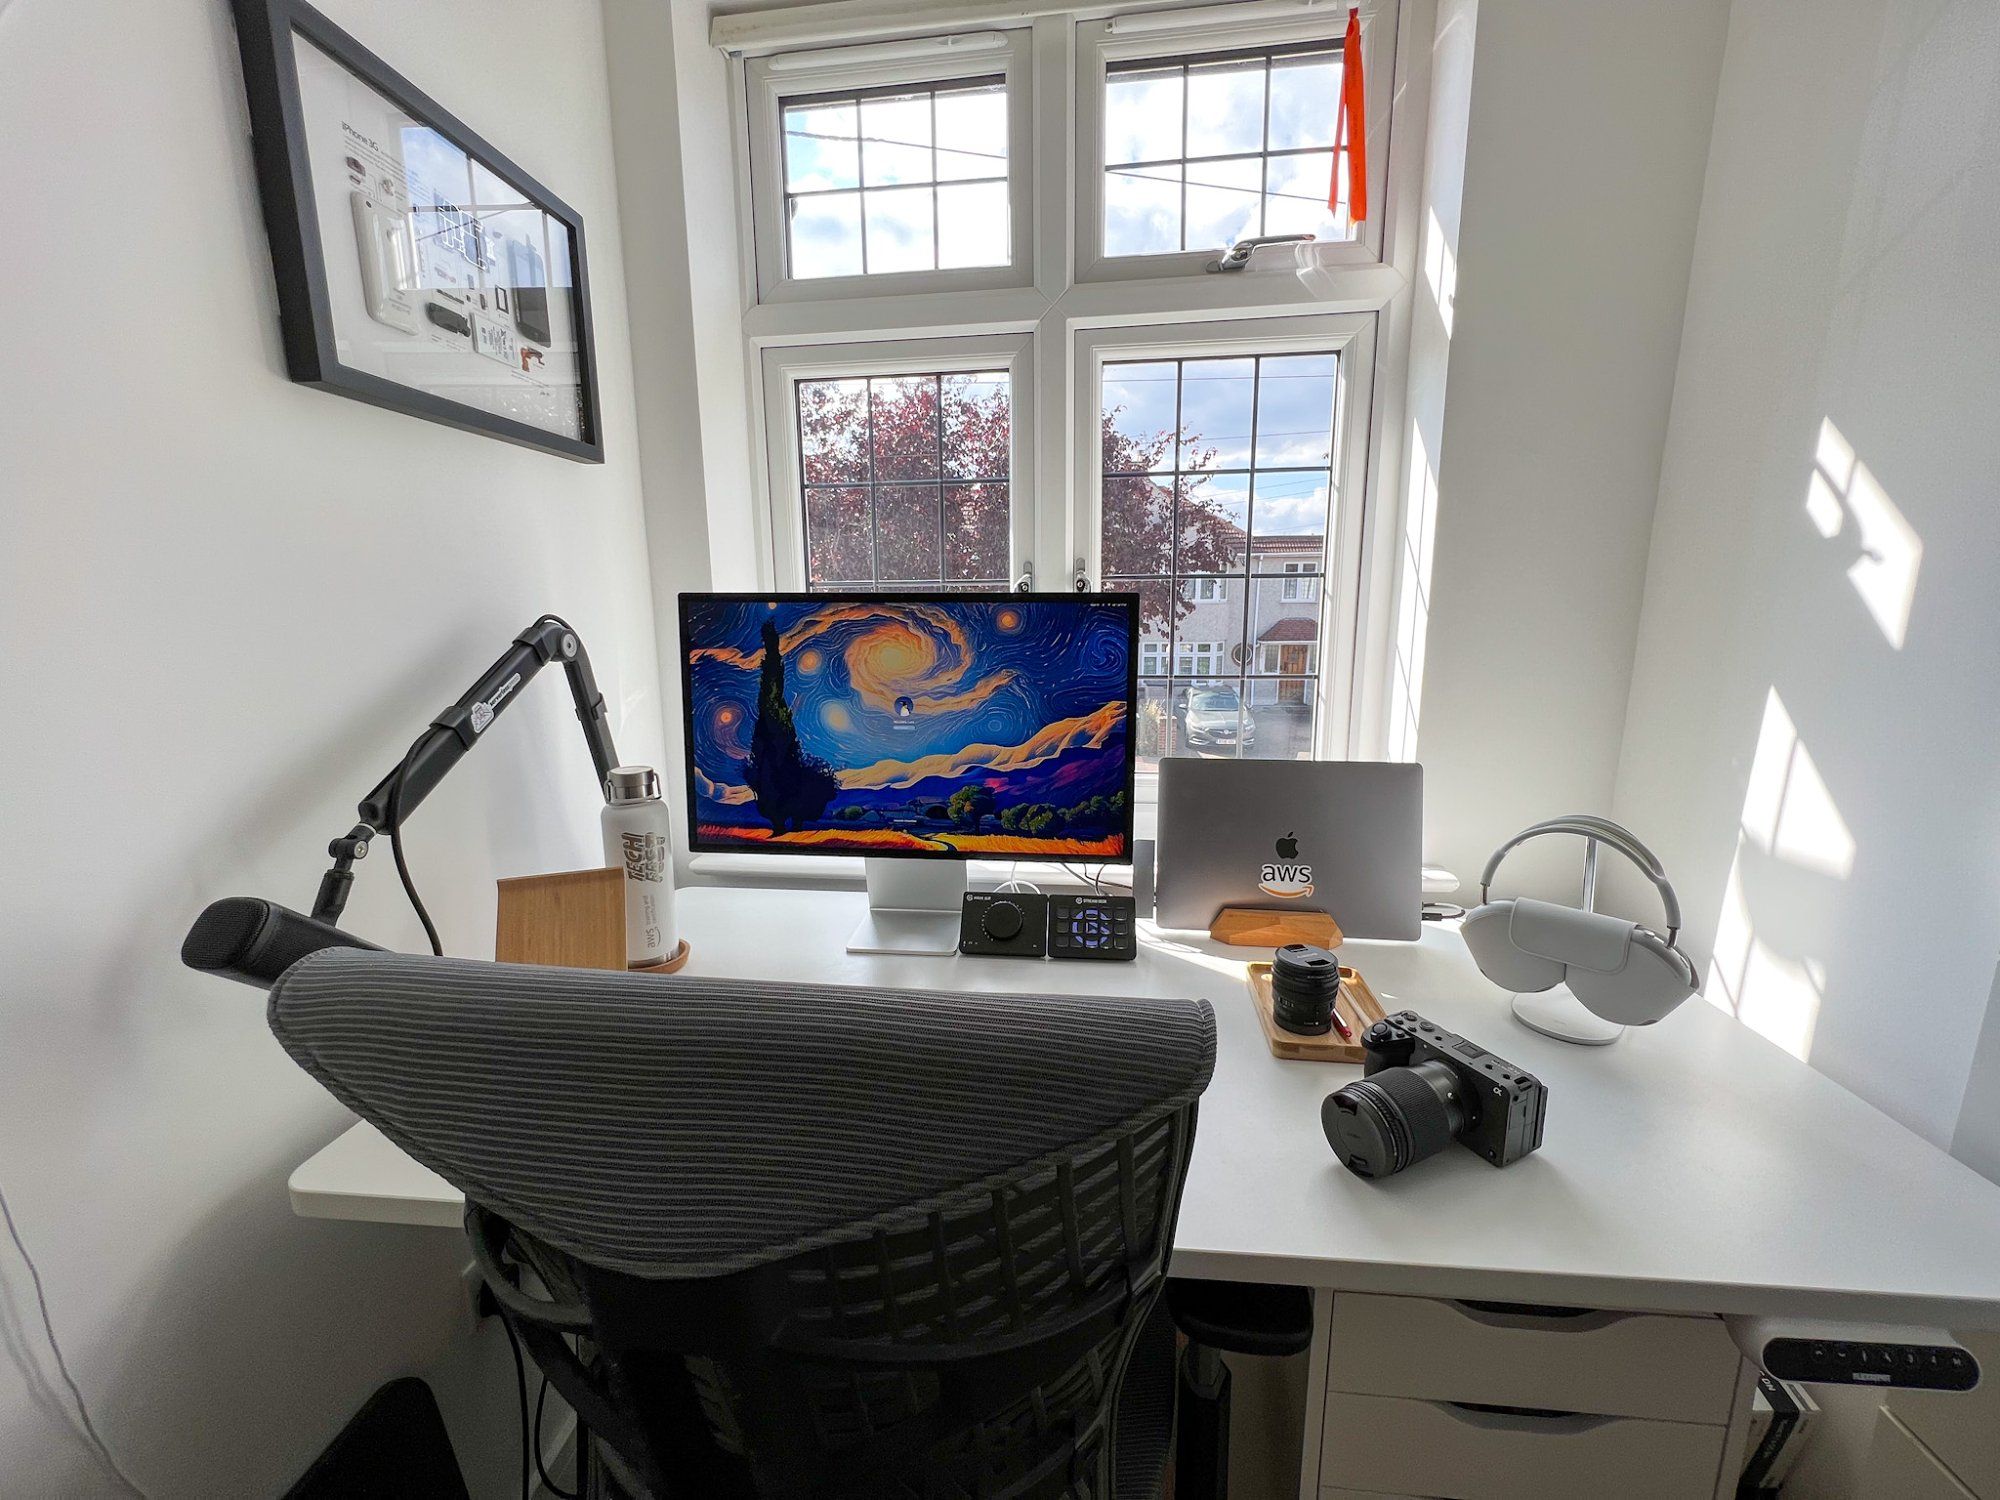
1353 130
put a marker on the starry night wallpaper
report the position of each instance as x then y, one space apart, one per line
987 724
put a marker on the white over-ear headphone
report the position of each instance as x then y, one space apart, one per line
1621 971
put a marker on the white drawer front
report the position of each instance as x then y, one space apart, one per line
1378 1443
1615 1364
1901 1468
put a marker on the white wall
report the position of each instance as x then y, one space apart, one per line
1820 775
229 603
1587 137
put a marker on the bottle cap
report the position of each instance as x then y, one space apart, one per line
632 784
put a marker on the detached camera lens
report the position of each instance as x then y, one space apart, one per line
1381 1124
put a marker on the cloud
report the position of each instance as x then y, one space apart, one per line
721 791
1089 732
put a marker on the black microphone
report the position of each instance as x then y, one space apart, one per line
253 941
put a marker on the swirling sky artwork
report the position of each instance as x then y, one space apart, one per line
989 723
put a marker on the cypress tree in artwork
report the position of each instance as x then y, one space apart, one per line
792 788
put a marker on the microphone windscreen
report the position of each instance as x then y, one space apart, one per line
253 941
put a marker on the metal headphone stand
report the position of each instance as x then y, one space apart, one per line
1556 1012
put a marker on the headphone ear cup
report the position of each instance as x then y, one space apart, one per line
1488 940
1655 978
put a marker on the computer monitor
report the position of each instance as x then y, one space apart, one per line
919 730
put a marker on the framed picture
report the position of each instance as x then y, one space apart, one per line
418 268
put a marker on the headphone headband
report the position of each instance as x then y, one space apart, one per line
1603 831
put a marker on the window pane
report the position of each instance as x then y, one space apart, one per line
874 163
1214 519
978 425
1216 408
1198 156
1295 197
1142 210
903 411
1295 411
1225 108
1289 511
1140 417
976 523
840 545
909 533
1305 100
900 236
894 523
1224 202
972 133
820 147
896 140
826 235
1137 536
833 430
1142 116
1240 657
972 225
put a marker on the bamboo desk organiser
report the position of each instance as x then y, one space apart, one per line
1358 1007
574 919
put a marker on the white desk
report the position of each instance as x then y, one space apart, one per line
1693 1167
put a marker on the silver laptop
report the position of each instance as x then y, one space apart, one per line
1338 836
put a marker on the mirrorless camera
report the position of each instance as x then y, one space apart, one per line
1421 1088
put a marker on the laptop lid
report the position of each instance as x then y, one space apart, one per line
1344 837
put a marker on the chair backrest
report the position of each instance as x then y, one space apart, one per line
818 1240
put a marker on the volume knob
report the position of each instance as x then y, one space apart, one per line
1003 921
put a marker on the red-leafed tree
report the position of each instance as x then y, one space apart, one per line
937 451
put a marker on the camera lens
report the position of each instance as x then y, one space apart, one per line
1304 982
1380 1124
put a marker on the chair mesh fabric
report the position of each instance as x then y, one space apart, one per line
827 1242
672 1126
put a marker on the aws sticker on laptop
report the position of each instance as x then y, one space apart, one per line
1285 877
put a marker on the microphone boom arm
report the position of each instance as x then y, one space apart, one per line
457 730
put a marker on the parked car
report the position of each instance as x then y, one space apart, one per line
1213 717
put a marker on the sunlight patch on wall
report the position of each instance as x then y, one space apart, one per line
1888 551
1413 564
1440 271
1789 817
1787 809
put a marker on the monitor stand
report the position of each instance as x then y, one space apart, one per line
913 907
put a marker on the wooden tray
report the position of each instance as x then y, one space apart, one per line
1357 1005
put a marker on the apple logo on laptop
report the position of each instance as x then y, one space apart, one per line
1285 877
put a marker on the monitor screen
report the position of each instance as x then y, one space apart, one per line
953 726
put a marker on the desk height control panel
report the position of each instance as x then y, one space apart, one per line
1026 924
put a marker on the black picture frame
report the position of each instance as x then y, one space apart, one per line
265 32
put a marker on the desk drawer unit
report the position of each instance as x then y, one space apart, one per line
1609 1364
1435 1448
1429 1397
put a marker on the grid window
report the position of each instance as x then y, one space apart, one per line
1216 503
902 180
1202 152
904 480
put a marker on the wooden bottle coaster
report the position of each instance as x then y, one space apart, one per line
1273 927
573 919
1357 1005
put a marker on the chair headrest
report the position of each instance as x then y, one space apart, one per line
683 1127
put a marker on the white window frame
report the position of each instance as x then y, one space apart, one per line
1352 336
1270 667
768 81
784 367
1203 590
1300 585
905 321
1153 658
1100 43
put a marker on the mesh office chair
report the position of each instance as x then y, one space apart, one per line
781 1240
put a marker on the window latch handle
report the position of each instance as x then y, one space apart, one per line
1081 579
1238 254
1025 584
